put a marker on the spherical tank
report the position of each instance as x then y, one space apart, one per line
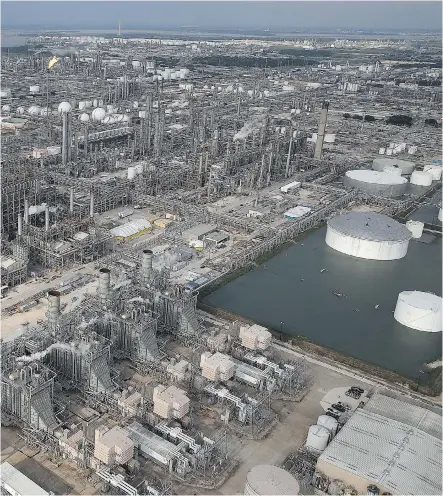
368 235
34 110
20 110
435 170
420 311
64 107
420 178
265 480
416 227
98 114
318 438
329 423
376 183
34 88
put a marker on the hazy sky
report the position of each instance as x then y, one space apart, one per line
272 14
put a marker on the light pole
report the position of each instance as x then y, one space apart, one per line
281 329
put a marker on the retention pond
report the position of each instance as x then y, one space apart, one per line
341 302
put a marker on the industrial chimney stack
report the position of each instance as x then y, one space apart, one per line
53 306
321 130
104 288
147 258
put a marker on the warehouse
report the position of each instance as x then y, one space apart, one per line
17 484
393 445
131 229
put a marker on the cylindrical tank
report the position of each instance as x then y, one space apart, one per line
329 138
6 109
440 215
389 151
265 480
20 110
131 172
435 170
420 178
329 423
34 88
147 258
136 64
381 151
376 183
54 150
34 110
81 105
138 168
368 235
98 114
405 166
420 311
416 227
392 170
318 438
84 117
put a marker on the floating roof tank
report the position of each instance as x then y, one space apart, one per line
376 183
268 480
98 114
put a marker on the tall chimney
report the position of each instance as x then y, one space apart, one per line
26 213
91 205
53 306
71 200
64 138
104 284
47 218
147 258
321 130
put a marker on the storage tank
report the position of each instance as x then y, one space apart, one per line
136 64
405 166
138 168
329 138
98 114
84 117
389 151
420 311
265 480
6 109
54 150
368 235
376 183
329 423
64 107
392 170
143 114
440 215
381 151
416 227
420 178
34 110
131 172
108 120
34 88
434 170
318 438
81 105
20 110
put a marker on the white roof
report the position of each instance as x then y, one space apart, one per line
18 481
370 226
385 445
6 262
375 177
131 228
297 211
269 479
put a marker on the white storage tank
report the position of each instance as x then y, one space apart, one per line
84 117
143 114
368 235
54 150
420 178
98 114
440 215
376 183
34 110
131 172
318 438
381 151
392 170
64 107
266 480
6 109
329 423
108 120
405 166
81 105
434 170
138 168
34 88
329 138
416 227
420 311
389 151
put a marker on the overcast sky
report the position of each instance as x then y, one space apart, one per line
272 14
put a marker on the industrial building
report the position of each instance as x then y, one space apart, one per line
390 444
15 483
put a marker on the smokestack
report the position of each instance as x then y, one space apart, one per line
26 213
65 139
91 205
47 218
321 130
104 285
19 227
53 306
147 258
71 200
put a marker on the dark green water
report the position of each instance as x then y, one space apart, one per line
350 324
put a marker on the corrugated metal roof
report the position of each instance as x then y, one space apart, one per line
395 455
131 228
19 482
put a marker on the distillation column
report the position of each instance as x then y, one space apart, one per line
321 131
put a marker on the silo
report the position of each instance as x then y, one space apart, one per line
420 178
265 480
329 423
318 438
419 311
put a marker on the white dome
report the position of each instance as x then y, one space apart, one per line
84 117
64 107
34 110
98 114
269 479
20 110
420 311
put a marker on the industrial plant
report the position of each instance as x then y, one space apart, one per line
143 175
